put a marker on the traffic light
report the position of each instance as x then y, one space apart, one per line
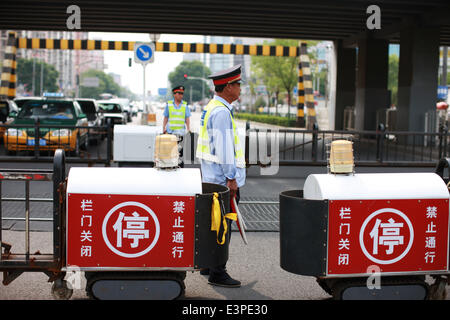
186 76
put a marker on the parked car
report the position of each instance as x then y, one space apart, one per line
21 100
95 118
134 109
53 112
8 110
126 107
112 111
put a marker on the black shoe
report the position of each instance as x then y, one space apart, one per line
204 271
224 281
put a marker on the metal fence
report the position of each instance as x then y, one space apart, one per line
37 143
290 147
264 147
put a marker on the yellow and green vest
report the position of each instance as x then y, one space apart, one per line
176 116
203 149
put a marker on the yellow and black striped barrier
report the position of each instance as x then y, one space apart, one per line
305 93
8 76
212 48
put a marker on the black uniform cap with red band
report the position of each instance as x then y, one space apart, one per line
178 89
226 76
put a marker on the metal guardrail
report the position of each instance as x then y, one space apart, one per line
12 263
88 145
264 147
293 147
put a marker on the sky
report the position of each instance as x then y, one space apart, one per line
156 73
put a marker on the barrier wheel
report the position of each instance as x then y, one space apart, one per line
61 290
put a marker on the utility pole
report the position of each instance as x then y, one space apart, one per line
444 66
42 78
33 80
144 54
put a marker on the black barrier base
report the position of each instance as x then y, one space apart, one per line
207 251
303 234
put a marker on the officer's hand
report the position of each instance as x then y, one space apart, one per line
232 185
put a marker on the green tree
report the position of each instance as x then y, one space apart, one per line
278 72
191 69
448 78
106 85
393 77
25 75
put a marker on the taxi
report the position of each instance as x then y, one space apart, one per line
7 108
59 120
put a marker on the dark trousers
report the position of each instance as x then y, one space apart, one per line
219 271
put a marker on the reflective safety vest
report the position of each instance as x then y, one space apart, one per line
203 149
176 116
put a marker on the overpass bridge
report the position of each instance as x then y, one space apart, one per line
361 47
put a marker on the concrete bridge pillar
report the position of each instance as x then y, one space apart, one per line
418 76
371 82
345 82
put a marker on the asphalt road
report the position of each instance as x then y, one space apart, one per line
256 265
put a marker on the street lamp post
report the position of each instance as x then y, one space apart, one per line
42 78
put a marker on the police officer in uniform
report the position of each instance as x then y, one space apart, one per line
176 118
219 150
176 113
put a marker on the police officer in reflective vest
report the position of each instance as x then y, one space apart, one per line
219 150
176 113
176 118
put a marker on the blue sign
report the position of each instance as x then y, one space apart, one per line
144 52
31 142
53 94
162 91
442 92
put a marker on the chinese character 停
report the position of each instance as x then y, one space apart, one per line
390 235
134 229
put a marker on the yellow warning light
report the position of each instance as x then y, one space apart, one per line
151 119
166 151
341 157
